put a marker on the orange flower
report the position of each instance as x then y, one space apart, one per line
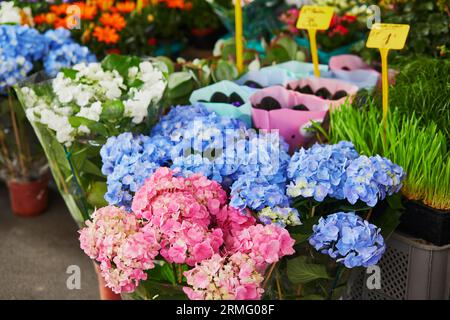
105 4
60 9
60 23
177 4
88 12
47 18
114 20
107 35
124 7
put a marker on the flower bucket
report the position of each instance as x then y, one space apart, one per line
105 292
265 77
28 199
298 69
426 223
292 118
347 62
363 79
320 86
223 98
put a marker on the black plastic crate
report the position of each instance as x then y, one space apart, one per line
426 223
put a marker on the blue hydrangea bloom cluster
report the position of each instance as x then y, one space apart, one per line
337 171
279 216
22 46
64 52
252 165
128 161
370 179
257 192
320 171
348 239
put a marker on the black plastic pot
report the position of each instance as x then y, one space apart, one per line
426 223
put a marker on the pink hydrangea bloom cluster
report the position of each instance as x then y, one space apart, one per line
190 215
115 239
185 221
264 244
225 278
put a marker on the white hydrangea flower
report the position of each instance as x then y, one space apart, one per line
92 113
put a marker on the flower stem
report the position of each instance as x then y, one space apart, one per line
277 278
369 214
180 274
269 274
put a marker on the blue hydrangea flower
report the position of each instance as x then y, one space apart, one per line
22 41
371 179
66 56
128 161
280 216
58 37
13 70
250 191
320 171
177 118
348 239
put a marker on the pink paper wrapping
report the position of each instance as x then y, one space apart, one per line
331 85
290 123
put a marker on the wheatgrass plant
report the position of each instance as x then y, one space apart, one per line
421 150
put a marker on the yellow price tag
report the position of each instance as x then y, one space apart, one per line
389 36
386 36
315 17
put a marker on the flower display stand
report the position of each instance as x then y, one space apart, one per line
410 270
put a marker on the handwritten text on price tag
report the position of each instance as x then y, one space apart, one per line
315 17
388 36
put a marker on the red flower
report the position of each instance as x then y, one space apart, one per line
113 51
341 30
349 18
152 42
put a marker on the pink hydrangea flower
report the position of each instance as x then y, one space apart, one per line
224 278
190 243
264 244
182 211
116 240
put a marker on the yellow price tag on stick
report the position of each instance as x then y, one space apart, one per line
313 18
384 37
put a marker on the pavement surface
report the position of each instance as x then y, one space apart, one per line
35 254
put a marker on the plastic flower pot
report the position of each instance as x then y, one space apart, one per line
105 292
266 77
424 222
298 69
226 98
337 90
28 199
292 116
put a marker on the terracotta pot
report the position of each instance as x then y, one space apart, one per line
105 292
202 32
28 199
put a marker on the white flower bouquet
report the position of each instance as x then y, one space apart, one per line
74 114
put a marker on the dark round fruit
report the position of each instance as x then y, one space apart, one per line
306 90
236 100
300 107
323 93
268 103
219 97
339 94
253 84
